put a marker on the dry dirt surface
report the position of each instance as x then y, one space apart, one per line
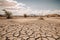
32 29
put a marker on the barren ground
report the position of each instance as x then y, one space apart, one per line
30 29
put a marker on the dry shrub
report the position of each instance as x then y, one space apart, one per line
47 16
41 18
8 14
25 15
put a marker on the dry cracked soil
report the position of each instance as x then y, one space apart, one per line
31 30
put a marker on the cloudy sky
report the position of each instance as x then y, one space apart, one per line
42 4
20 7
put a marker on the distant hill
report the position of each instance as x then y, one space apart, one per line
53 15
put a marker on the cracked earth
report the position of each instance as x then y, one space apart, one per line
32 30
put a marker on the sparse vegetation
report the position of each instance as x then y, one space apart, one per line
47 16
7 14
25 15
41 18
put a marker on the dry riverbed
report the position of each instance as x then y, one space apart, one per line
29 29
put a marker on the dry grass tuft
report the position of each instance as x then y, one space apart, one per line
41 18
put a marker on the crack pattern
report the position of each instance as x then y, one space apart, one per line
37 30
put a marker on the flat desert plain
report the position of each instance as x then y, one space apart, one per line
30 29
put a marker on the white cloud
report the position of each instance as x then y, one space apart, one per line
20 8
5 3
15 7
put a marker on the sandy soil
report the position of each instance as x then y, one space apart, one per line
30 29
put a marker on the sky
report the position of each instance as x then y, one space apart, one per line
42 4
38 7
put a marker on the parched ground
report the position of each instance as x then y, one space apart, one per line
30 29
